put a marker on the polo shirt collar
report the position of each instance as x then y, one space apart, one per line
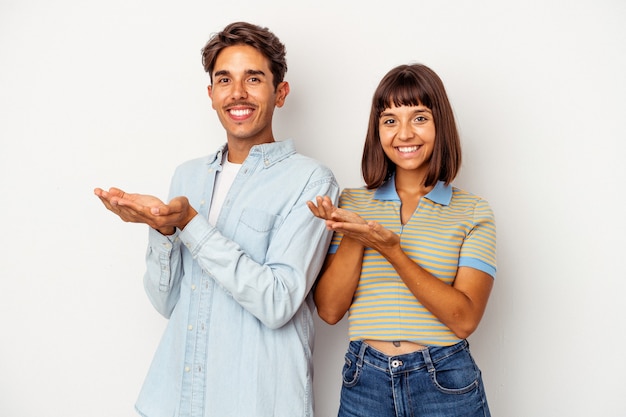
440 194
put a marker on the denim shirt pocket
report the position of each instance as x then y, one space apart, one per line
254 232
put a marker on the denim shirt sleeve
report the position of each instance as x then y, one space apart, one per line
274 290
164 271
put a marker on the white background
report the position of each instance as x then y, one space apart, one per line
112 93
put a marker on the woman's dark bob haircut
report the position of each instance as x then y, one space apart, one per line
243 33
412 85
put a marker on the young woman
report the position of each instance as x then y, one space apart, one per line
412 260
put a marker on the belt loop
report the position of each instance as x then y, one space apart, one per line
361 355
428 360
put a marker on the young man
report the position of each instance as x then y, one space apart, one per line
232 257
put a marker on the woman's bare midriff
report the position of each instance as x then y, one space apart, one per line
394 348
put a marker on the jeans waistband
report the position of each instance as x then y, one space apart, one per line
424 358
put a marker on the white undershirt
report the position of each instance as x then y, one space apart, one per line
223 180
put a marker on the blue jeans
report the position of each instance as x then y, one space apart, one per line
434 382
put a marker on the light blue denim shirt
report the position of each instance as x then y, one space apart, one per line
240 334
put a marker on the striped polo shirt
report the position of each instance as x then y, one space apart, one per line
449 229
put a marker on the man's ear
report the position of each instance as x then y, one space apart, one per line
281 93
209 90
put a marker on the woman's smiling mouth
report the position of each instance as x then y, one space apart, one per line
407 149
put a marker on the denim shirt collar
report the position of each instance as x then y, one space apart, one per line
440 194
270 153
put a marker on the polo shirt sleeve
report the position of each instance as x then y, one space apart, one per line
479 247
